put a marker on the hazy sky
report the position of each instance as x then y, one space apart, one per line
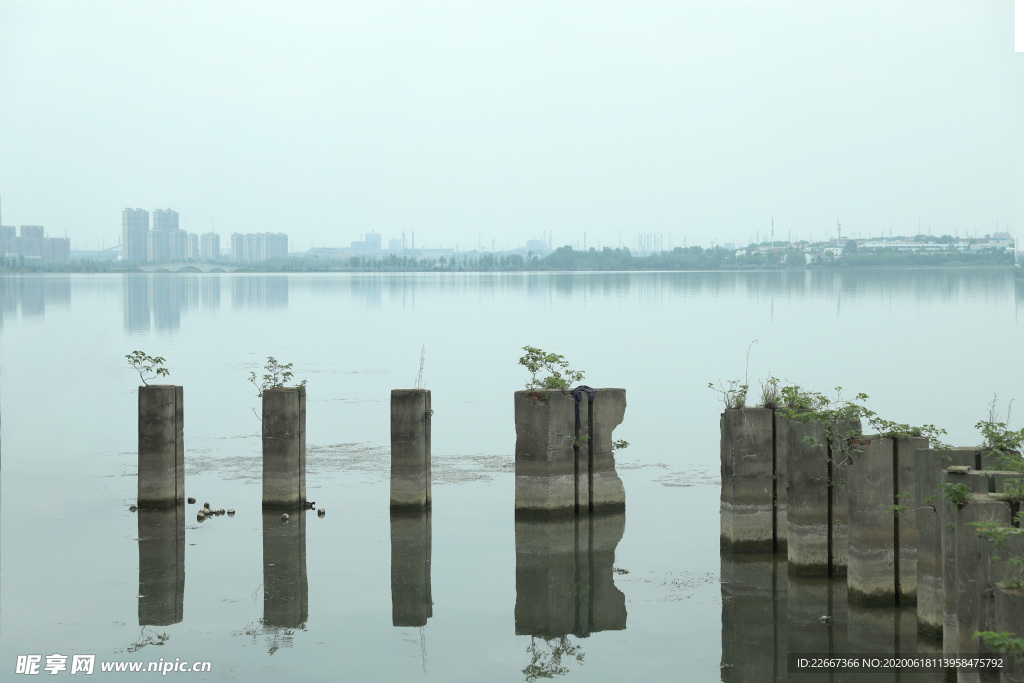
508 120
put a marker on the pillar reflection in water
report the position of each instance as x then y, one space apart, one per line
411 603
161 565
564 581
285 591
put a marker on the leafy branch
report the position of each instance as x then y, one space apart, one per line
148 367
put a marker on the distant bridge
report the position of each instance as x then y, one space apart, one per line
188 268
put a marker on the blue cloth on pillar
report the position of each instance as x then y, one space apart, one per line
577 395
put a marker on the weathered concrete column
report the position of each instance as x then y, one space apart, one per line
975 482
605 413
161 565
410 449
927 504
817 501
882 561
782 449
411 601
972 569
1009 618
285 590
545 461
562 469
748 486
161 445
564 580
284 447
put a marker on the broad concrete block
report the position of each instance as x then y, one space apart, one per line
410 449
882 550
161 565
782 449
284 447
817 501
161 445
562 469
748 471
285 590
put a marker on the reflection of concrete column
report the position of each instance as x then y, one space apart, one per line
564 581
410 449
411 603
285 592
808 599
161 565
753 617
161 477
284 447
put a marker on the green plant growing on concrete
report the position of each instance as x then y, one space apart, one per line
836 416
734 396
957 494
1005 642
276 376
148 367
771 395
549 370
619 444
999 536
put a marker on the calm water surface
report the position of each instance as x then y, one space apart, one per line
462 594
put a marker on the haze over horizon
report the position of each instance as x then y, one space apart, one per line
508 121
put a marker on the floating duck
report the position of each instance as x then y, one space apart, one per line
284 517
321 512
191 501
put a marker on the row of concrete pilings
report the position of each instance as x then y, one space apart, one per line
564 462
569 505
882 521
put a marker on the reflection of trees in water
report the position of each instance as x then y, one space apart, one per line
546 655
276 636
145 639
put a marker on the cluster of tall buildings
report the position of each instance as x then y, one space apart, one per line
31 243
260 246
165 241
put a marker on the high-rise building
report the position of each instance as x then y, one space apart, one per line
134 230
192 246
7 233
262 246
165 220
209 246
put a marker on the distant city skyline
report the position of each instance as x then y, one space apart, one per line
473 123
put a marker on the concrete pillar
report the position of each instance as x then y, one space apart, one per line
161 565
748 486
560 469
995 569
161 445
976 483
285 591
879 550
410 449
1009 618
564 580
545 461
927 504
284 447
754 638
782 449
605 413
817 501
411 602
972 570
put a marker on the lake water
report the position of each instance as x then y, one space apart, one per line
345 597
